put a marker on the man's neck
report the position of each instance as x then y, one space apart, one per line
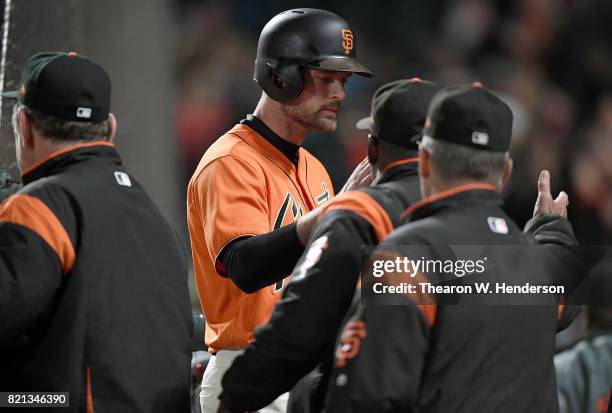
383 165
42 150
270 113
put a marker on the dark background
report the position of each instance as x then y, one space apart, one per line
182 72
551 60
182 75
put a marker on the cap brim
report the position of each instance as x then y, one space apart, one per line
363 124
342 64
12 94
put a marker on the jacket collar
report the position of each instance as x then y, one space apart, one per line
458 197
79 152
288 149
252 138
398 169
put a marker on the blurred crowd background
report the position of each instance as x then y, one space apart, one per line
550 59
182 75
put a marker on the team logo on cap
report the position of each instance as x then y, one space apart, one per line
84 113
347 40
480 138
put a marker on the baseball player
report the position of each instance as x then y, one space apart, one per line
324 280
249 199
421 356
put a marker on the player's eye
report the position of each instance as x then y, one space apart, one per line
327 79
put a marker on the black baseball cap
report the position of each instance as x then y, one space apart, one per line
398 111
64 85
470 115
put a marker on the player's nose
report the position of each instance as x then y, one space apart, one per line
337 91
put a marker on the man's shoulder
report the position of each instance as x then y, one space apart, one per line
352 200
399 192
382 197
361 198
459 226
77 183
47 188
345 207
230 147
230 143
415 231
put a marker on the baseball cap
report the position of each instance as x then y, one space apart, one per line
64 85
398 111
470 115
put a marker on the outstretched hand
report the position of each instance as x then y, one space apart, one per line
361 176
545 204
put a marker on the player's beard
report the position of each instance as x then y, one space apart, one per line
311 119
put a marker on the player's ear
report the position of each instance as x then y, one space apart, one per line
112 123
26 125
373 150
424 163
507 171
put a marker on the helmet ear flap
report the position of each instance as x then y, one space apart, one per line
278 81
282 83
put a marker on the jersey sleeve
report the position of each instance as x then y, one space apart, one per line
230 200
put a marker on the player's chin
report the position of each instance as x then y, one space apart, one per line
324 124
326 121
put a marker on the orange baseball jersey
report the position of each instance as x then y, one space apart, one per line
244 186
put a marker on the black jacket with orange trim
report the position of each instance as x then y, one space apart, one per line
93 289
428 358
304 324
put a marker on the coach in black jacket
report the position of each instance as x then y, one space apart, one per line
93 279
304 324
425 357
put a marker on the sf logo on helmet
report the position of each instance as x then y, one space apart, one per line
347 40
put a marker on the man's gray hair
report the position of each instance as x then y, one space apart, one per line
460 163
64 131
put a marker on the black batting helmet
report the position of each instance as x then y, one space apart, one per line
303 37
